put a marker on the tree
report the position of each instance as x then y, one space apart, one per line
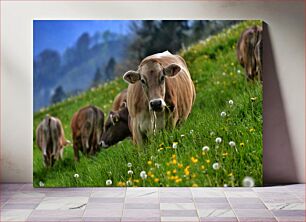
59 95
97 78
110 68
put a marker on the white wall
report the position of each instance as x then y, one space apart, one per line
286 24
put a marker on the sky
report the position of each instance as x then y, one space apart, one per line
60 34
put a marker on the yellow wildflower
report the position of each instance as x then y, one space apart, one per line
180 165
194 175
178 180
173 156
174 161
149 173
194 185
207 161
252 130
202 167
224 154
149 162
156 180
194 160
168 173
174 171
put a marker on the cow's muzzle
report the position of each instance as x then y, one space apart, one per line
157 105
103 144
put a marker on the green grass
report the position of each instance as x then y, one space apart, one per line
218 78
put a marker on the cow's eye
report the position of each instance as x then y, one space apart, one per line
143 81
162 78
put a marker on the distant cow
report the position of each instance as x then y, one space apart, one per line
160 94
50 138
249 52
87 129
117 124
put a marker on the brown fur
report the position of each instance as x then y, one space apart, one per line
178 93
249 52
117 124
87 128
50 138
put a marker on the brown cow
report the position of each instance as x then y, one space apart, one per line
117 124
87 129
160 94
50 138
249 52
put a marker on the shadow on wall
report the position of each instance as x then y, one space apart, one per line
278 160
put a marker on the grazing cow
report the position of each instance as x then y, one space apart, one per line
87 129
50 138
249 52
160 94
117 124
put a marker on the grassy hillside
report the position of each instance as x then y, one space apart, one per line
218 78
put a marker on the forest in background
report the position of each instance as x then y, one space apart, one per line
98 58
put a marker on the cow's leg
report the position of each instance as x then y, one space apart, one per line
76 150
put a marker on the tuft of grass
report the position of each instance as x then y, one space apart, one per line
218 78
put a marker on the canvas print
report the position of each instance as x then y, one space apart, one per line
147 103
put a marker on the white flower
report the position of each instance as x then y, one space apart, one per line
232 143
143 175
76 175
248 182
41 184
174 145
191 132
157 165
223 114
108 182
230 102
129 165
130 172
224 73
216 166
182 135
238 71
218 140
225 185
129 183
205 148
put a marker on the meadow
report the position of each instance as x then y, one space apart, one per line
219 144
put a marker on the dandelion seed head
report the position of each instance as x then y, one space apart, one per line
248 182
232 143
130 172
129 165
174 145
216 166
143 175
108 182
230 102
223 114
218 140
205 148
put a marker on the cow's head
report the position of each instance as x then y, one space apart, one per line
152 77
116 127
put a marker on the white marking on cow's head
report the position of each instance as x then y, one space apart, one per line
152 77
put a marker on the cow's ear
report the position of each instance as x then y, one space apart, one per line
123 105
172 70
131 76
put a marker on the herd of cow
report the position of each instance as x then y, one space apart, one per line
160 95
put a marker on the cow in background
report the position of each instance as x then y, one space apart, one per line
249 52
160 94
117 124
50 138
87 129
